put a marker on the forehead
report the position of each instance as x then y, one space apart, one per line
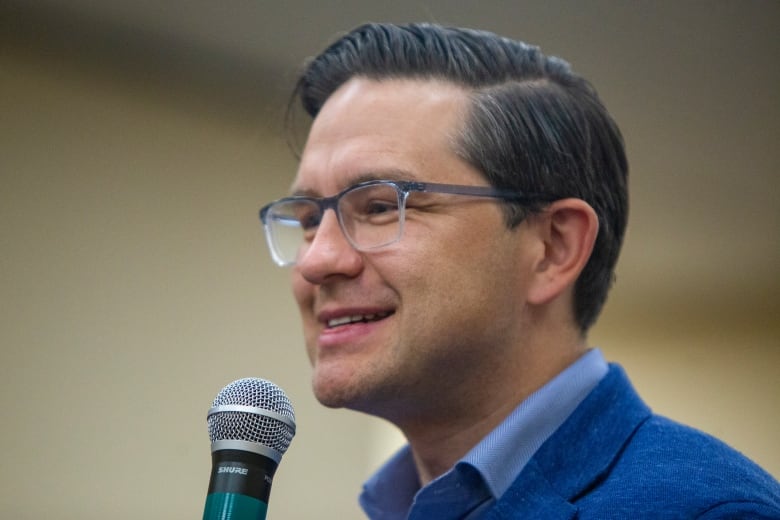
387 128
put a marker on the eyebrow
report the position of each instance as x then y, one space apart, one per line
382 175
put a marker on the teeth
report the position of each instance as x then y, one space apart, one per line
335 322
340 321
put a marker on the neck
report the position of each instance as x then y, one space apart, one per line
436 448
437 443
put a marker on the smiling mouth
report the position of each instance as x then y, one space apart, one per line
357 318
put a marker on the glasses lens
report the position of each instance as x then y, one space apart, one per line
290 224
371 215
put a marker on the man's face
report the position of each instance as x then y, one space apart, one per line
440 307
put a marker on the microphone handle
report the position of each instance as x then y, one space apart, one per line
239 486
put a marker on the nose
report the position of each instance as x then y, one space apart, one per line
329 254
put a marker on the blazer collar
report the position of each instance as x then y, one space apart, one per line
578 453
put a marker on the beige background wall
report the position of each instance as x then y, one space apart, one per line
135 283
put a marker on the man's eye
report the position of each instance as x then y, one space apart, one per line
377 207
308 216
310 221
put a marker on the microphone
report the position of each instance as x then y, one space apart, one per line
251 424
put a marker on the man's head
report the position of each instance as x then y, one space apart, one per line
531 124
467 302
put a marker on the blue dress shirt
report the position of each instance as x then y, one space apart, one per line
487 471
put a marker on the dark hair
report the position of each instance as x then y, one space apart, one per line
533 125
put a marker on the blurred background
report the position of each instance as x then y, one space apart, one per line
139 139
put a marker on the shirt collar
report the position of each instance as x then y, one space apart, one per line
503 453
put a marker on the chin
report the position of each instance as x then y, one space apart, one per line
330 391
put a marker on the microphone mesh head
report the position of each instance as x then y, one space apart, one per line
248 426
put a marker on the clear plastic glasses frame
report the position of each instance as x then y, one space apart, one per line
370 214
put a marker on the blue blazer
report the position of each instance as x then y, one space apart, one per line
613 459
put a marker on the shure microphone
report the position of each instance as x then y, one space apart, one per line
251 425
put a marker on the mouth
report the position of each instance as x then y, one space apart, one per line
357 318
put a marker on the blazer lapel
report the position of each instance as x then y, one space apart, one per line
578 455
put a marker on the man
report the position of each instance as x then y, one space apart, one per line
453 228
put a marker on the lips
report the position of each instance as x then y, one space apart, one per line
357 318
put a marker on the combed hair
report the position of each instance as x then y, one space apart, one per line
533 125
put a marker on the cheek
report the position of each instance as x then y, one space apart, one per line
474 271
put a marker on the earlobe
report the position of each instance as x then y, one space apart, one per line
568 228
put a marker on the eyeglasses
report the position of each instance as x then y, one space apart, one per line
370 214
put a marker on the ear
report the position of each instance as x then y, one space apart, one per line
568 229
